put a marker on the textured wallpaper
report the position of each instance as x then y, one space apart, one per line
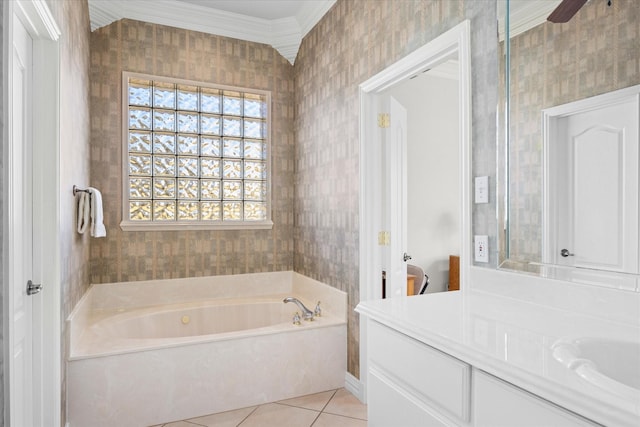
553 64
3 64
315 158
315 178
135 46
72 17
354 41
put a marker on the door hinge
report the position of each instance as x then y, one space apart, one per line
384 238
384 121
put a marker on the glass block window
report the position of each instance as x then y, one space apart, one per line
195 153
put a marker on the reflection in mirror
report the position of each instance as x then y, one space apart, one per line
553 70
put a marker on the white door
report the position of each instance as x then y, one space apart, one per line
21 230
598 188
396 144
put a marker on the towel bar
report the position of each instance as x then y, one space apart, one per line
77 190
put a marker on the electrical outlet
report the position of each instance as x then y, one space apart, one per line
481 245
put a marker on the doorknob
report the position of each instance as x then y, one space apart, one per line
32 288
406 257
565 253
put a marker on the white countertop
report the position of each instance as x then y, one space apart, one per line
511 339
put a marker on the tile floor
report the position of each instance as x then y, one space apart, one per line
333 408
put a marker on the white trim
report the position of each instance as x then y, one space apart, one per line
46 175
44 31
311 13
524 15
433 53
285 34
354 386
195 225
446 70
37 17
6 119
592 103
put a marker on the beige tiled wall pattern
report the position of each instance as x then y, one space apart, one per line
315 179
72 16
128 45
596 52
354 41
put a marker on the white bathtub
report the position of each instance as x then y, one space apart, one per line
144 353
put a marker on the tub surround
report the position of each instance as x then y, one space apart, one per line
146 381
505 325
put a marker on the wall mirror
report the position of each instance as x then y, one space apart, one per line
568 168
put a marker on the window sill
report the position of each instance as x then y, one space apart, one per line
195 225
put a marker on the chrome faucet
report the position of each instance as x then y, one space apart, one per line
306 313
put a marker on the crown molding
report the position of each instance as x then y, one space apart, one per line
284 35
524 15
38 20
311 14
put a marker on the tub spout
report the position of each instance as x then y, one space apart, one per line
306 313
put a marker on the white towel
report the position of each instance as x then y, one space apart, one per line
82 217
97 218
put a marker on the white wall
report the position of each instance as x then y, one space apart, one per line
433 218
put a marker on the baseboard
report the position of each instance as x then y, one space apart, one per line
355 387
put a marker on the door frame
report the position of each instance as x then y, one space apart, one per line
44 31
457 40
396 192
550 121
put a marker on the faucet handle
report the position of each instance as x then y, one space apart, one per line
296 318
318 311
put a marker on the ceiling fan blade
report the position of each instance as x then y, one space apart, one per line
565 11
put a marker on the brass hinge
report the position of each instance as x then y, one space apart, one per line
384 121
384 238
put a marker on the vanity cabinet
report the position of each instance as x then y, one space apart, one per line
497 403
413 384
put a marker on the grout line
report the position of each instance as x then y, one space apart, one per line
295 406
250 413
281 402
329 401
340 415
345 416
324 407
315 419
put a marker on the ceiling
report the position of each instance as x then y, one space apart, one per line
265 9
279 23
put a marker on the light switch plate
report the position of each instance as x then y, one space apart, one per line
482 189
481 245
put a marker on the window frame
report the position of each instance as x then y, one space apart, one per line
127 224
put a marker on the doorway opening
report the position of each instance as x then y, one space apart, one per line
382 202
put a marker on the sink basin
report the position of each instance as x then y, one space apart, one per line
612 365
